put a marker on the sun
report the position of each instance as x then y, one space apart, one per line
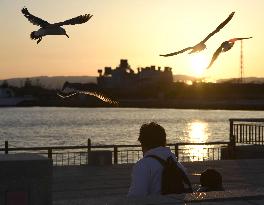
198 63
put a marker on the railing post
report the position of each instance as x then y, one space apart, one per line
6 147
177 151
89 143
232 138
115 155
231 124
50 153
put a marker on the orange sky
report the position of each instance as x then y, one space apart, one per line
137 30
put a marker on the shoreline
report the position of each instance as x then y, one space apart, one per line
250 105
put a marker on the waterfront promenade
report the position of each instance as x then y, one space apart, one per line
243 181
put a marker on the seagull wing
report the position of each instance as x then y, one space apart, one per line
219 27
238 39
215 56
178 52
33 19
100 96
77 20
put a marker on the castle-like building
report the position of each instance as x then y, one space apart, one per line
124 77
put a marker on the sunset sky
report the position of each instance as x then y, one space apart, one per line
137 30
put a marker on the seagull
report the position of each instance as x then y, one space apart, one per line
225 46
69 90
100 96
51 29
201 46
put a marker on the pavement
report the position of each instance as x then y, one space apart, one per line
243 181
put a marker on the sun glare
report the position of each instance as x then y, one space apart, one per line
198 64
198 133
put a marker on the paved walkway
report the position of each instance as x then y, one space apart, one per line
243 181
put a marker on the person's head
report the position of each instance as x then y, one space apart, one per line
211 180
151 135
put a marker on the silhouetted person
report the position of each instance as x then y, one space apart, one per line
148 172
211 180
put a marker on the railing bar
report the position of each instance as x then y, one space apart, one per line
250 133
56 159
68 158
80 158
240 133
100 146
247 120
259 134
246 126
262 134
236 130
243 137
74 158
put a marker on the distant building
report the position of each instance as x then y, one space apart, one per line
124 77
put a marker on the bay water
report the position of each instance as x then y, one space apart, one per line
52 126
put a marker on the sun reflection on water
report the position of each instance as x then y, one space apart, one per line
198 133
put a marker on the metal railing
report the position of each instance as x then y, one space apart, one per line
121 154
247 131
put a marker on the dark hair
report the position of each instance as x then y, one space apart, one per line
211 179
152 135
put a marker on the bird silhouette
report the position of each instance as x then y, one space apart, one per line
68 92
95 94
201 46
52 29
225 46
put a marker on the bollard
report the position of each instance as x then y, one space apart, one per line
115 155
89 144
50 153
6 147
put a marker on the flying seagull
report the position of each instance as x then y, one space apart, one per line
71 89
98 95
51 29
225 46
201 46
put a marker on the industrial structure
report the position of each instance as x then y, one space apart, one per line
124 77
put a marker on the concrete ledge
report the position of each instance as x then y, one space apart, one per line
100 158
245 152
25 179
227 197
103 184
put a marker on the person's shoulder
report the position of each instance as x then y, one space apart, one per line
145 162
141 166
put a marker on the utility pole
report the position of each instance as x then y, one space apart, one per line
241 62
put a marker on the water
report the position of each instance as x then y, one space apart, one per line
40 126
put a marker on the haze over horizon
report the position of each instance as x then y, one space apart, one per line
135 30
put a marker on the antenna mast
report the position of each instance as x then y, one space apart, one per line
241 62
